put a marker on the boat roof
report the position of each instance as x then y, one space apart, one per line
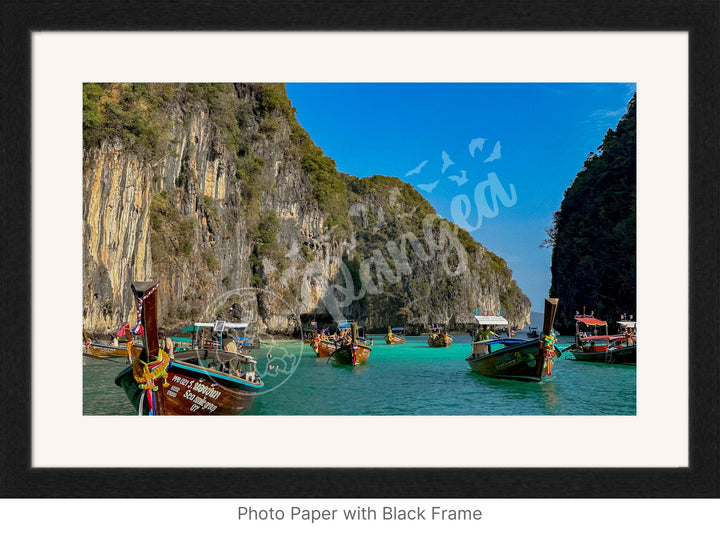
398 328
587 320
632 324
217 326
491 320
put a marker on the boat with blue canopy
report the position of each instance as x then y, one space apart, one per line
395 335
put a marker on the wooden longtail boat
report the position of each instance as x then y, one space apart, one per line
196 381
605 348
395 336
325 345
353 353
439 337
525 360
103 351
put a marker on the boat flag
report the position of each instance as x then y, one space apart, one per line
122 330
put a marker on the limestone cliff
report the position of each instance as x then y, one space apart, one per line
216 192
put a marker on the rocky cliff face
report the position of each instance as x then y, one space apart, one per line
215 192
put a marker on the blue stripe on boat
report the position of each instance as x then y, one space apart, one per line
228 378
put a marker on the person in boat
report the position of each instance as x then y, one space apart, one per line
484 334
629 336
169 347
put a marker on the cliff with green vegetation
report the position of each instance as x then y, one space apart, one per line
593 233
216 192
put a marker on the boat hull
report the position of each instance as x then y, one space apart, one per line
344 354
325 348
191 390
618 355
523 362
391 339
101 351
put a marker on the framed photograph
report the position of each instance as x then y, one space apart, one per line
645 430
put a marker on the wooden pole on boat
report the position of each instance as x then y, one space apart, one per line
145 292
551 304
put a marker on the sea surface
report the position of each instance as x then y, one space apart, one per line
409 379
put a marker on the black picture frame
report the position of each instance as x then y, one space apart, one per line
701 18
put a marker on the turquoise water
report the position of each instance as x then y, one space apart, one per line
411 379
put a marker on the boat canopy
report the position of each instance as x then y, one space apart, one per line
590 321
217 326
630 324
344 325
491 320
398 329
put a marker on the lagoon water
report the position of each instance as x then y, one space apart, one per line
409 379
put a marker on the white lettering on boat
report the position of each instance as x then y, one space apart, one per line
203 404
180 380
207 390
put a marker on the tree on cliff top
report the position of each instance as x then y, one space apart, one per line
593 233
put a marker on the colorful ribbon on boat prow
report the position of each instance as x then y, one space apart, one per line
547 346
354 353
138 329
146 374
316 342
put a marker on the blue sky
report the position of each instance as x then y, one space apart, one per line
529 139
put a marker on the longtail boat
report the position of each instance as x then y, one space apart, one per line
510 358
395 336
325 344
604 347
438 337
102 351
353 351
192 382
